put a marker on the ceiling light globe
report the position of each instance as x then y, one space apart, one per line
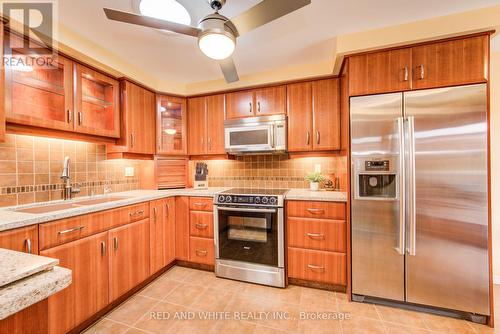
217 46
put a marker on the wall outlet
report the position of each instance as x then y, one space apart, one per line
129 171
317 168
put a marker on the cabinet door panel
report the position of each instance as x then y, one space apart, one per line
171 125
215 124
156 235
201 224
270 101
129 252
169 228
22 239
197 126
457 62
96 103
88 292
182 228
300 135
380 72
240 104
326 114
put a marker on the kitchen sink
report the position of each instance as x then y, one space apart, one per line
66 206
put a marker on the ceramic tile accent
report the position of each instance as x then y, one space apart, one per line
30 169
267 171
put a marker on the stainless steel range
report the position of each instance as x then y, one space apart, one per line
249 235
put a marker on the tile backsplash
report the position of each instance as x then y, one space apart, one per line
268 171
31 167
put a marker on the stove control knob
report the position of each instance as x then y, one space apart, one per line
273 200
221 198
257 200
265 200
228 199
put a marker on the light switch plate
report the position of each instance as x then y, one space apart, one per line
129 171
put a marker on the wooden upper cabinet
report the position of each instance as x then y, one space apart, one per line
97 108
129 257
300 117
380 72
138 118
215 124
171 125
455 62
326 114
270 101
314 116
23 239
197 116
240 104
39 96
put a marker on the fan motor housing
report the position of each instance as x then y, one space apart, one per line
217 24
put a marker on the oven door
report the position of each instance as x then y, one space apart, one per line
253 235
254 138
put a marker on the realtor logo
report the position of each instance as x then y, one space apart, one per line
30 38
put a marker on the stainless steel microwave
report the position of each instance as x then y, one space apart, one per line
253 135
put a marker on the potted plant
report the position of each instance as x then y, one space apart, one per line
314 179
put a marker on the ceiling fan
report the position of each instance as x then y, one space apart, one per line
216 33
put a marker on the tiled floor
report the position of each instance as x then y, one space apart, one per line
215 305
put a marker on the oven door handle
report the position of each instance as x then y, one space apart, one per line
246 210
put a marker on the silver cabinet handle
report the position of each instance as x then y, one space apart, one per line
80 118
422 71
317 137
154 214
401 239
137 213
74 229
201 226
250 107
308 138
412 247
316 235
103 248
258 106
201 252
312 267
316 211
168 209
200 204
70 117
115 243
406 74
132 139
28 246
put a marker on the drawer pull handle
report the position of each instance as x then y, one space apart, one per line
115 243
154 214
137 213
28 246
319 268
200 204
103 248
201 226
74 229
316 235
316 211
201 252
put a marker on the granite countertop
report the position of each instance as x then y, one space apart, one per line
321 195
17 265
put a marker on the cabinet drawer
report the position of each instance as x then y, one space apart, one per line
134 213
201 224
319 266
201 250
23 239
320 234
62 231
322 210
201 203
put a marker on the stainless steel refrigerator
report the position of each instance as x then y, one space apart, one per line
420 199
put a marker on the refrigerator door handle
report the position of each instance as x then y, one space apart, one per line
412 217
402 197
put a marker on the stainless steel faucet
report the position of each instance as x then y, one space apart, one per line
65 176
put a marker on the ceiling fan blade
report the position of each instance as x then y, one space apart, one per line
151 22
229 70
265 12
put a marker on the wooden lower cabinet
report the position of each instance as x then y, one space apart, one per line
318 266
129 257
33 319
23 239
156 235
201 224
318 234
182 228
88 293
201 250
169 231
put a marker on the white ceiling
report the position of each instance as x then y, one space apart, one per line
303 37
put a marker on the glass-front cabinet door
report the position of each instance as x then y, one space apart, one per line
171 125
38 87
97 109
